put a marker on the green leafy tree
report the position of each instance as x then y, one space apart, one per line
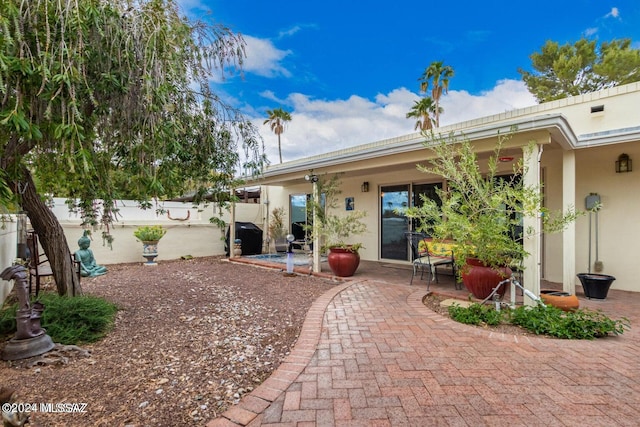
436 76
96 96
581 67
424 112
277 120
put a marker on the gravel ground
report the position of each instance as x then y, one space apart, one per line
190 339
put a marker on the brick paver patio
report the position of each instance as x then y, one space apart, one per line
371 354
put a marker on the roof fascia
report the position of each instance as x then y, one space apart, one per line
555 123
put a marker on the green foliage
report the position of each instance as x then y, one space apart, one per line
475 314
436 76
277 120
543 320
579 324
481 211
423 111
333 229
427 110
149 233
77 320
582 67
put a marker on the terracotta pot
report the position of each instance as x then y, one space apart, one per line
596 285
343 262
480 279
562 300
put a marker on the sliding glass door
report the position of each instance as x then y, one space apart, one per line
393 244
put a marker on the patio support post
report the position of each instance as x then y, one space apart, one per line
531 224
316 238
232 223
569 234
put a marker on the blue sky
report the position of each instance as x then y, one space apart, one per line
347 70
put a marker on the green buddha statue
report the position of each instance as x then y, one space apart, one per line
88 265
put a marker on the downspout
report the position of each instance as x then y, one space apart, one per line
316 238
232 223
540 223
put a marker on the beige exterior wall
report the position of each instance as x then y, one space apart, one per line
195 236
619 226
8 251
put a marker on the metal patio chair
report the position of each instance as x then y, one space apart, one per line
424 261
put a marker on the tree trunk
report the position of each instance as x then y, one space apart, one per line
51 237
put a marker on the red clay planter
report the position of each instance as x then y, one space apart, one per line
480 279
343 262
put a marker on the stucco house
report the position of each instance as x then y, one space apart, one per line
584 145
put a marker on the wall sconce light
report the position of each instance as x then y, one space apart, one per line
623 164
365 187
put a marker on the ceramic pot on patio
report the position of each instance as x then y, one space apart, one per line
596 285
480 280
343 262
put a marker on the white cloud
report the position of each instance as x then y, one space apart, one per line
290 32
321 126
263 58
590 31
614 13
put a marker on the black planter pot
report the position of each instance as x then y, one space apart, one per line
595 285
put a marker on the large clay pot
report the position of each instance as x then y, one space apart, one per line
595 285
562 300
343 262
480 280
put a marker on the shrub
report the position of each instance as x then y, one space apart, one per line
68 320
475 314
579 324
149 233
543 320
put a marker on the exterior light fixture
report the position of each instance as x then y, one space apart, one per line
365 187
311 178
623 164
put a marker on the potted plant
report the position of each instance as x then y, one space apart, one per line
150 235
334 230
277 231
481 211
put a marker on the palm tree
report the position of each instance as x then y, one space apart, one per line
423 111
277 119
438 75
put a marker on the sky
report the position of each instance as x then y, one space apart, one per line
347 71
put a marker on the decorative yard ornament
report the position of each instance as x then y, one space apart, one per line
30 339
84 255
